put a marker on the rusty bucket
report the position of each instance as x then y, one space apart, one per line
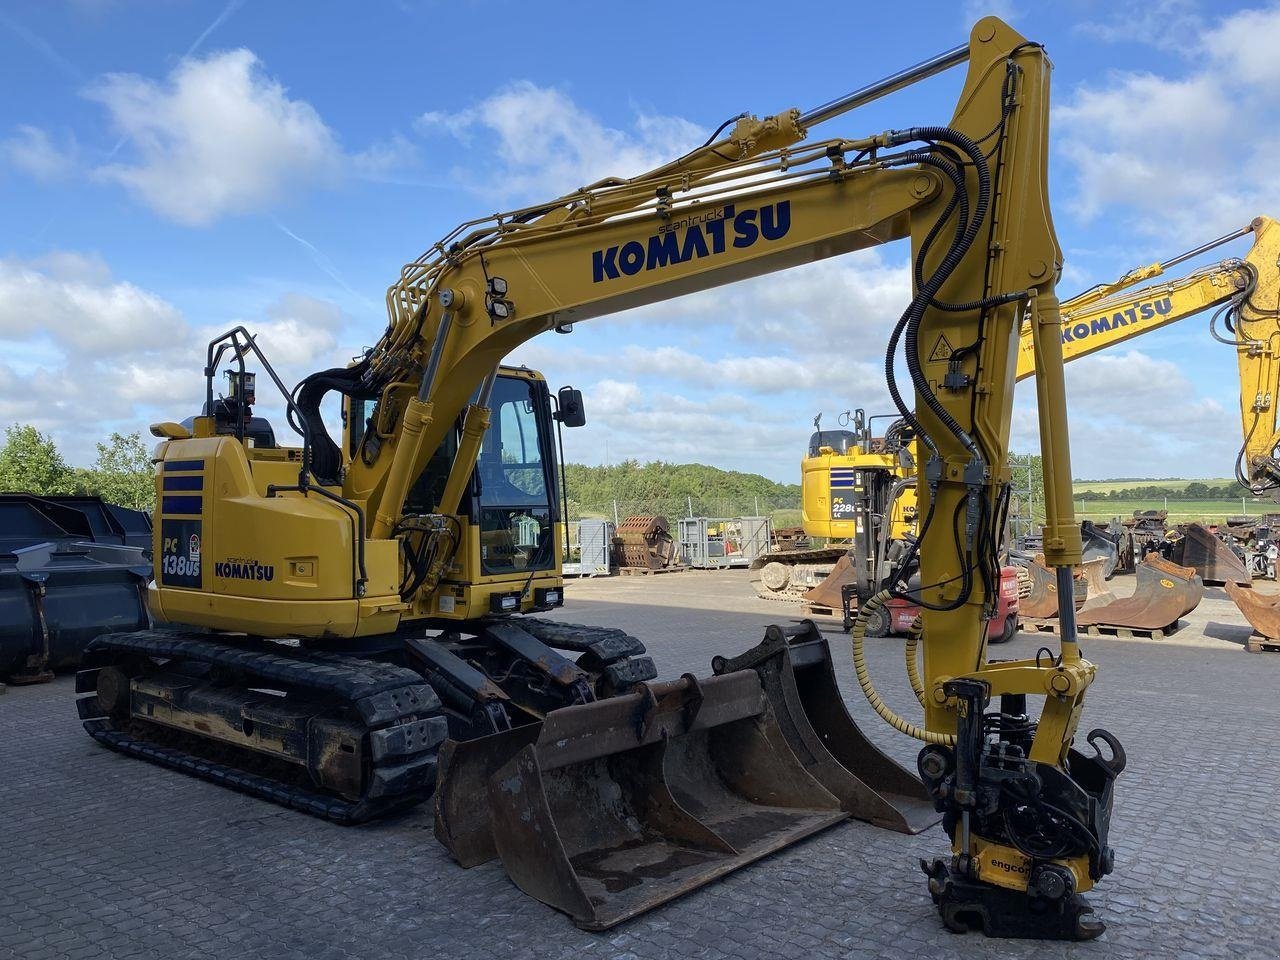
1262 611
795 666
1210 557
1042 602
608 809
828 593
1164 592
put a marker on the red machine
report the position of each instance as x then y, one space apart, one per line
898 615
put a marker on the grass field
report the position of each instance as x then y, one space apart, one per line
1106 486
1180 511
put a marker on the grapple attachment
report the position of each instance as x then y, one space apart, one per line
795 666
608 809
1211 558
1164 592
1262 611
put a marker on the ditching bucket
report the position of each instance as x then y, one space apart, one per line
1164 592
795 666
1262 611
611 808
1208 556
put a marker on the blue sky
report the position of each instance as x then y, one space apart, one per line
169 169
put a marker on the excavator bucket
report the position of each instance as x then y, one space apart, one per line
1164 592
1210 557
827 593
608 809
1042 602
1100 544
1095 577
795 667
1262 611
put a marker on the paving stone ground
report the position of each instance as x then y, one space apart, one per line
103 856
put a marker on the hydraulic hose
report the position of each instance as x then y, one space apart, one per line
913 666
857 636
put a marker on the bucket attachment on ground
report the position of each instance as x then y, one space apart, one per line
1261 610
829 592
1210 557
608 809
59 591
1095 580
1042 602
1164 592
1100 544
795 666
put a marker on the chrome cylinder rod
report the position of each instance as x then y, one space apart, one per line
882 88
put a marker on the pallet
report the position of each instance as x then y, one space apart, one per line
1260 644
819 610
648 571
1052 625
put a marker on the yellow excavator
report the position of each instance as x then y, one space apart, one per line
1244 292
332 612
857 490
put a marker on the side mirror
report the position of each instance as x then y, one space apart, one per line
571 412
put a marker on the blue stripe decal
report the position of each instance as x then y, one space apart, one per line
184 483
842 484
187 505
171 466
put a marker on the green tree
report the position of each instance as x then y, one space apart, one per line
30 463
123 473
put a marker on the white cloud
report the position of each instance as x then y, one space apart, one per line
218 137
68 299
1189 155
545 145
33 151
83 353
1131 414
1164 24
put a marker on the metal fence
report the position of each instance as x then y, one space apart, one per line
679 508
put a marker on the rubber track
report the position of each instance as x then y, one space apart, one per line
615 652
384 695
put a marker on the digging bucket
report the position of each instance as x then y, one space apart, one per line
1094 576
1262 611
614 807
796 669
828 592
1164 592
1210 557
1099 544
1042 602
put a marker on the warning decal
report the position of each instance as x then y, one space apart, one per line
942 349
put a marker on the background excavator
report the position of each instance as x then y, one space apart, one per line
1244 292
334 611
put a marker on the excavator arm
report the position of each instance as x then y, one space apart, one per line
1245 293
